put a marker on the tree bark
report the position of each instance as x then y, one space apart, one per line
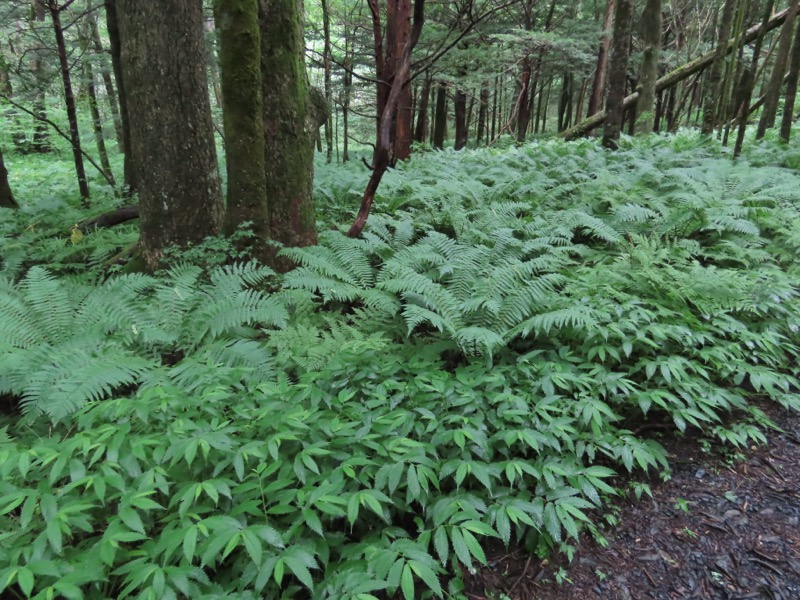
675 76
440 119
749 79
383 150
171 133
289 132
243 116
460 106
599 85
483 112
129 175
326 62
714 84
787 118
6 197
111 94
84 33
648 72
773 89
41 135
69 101
623 18
421 130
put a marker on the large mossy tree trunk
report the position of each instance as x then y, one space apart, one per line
289 127
6 197
171 134
243 115
648 71
618 73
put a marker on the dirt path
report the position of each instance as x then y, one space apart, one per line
715 530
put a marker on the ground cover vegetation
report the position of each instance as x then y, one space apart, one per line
480 365
234 367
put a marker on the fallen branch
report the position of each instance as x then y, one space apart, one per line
109 219
676 76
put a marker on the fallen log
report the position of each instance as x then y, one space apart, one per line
109 219
676 76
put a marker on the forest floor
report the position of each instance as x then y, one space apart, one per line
723 527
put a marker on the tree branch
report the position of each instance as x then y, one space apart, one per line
62 134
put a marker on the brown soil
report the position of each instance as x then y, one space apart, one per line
719 528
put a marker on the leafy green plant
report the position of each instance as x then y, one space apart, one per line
477 368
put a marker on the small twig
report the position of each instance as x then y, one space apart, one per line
521 577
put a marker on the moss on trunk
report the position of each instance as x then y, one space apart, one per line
243 115
289 132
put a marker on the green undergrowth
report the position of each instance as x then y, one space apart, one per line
476 369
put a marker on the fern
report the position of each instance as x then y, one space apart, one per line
63 344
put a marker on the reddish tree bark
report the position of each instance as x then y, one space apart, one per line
599 85
383 147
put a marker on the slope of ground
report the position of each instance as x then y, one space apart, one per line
718 529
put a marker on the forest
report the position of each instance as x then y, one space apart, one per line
355 299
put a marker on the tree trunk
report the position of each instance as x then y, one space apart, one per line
69 101
617 79
6 197
111 94
398 32
129 174
97 120
84 34
773 89
460 107
326 62
347 84
171 134
41 135
599 85
714 84
212 61
440 120
483 112
564 101
421 130
791 88
648 72
289 133
525 100
383 150
243 116
676 76
749 78
494 107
